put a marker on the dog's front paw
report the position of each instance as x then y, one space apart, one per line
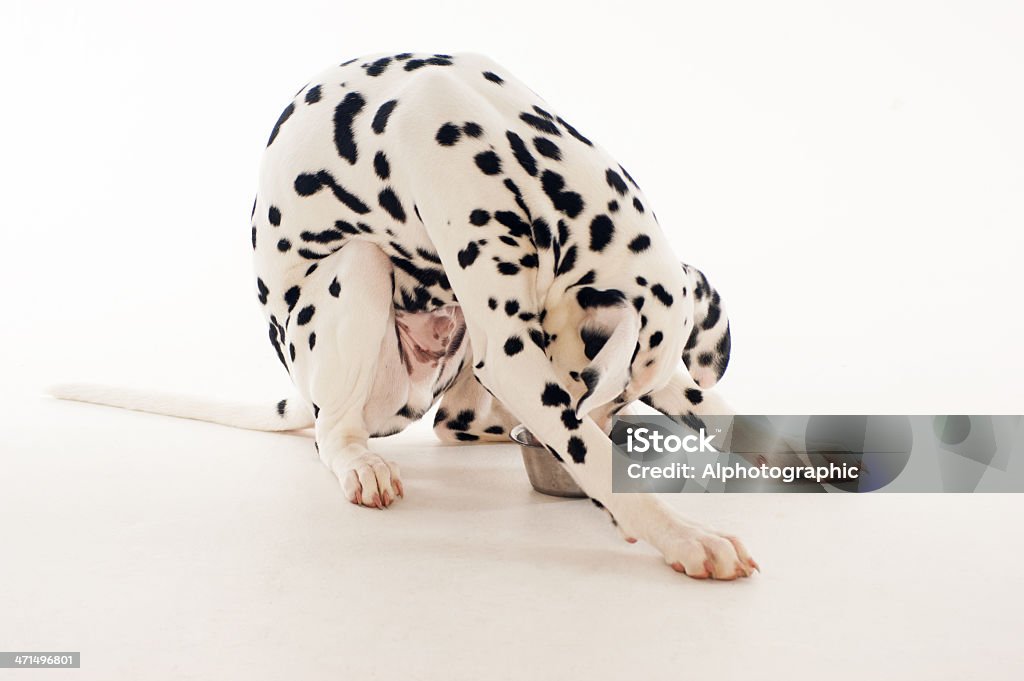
369 480
703 554
687 547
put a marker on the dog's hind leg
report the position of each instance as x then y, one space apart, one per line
341 334
468 413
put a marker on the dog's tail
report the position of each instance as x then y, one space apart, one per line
285 415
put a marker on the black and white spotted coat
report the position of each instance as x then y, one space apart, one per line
427 226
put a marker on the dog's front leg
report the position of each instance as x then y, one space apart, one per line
340 328
526 384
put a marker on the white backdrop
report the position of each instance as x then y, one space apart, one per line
849 175
850 178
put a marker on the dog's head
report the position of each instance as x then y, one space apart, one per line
616 346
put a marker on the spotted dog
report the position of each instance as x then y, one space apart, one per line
427 227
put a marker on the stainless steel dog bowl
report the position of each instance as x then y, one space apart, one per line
545 472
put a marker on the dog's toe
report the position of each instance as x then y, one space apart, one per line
371 481
703 554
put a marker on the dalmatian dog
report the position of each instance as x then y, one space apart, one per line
426 227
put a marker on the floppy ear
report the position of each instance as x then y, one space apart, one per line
608 373
707 350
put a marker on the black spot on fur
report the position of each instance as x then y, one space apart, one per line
694 396
554 396
691 342
513 222
313 95
568 261
388 200
274 216
637 205
291 296
468 255
543 113
263 290
494 430
656 339
591 297
380 119
511 307
593 341
575 133
462 420
325 237
428 255
312 340
378 67
714 312
471 129
493 77
724 348
640 244
522 154
615 181
291 351
541 233
381 165
577 450
284 245
492 303
568 202
569 419
508 268
547 148
538 338
602 229
308 184
513 345
305 314
479 217
344 116
448 134
466 437
311 255
540 124
528 260
281 406
661 294
705 359
613 206
285 115
488 162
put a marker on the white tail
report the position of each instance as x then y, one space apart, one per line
285 415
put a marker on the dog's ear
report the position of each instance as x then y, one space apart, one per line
707 350
608 372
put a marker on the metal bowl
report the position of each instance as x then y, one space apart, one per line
545 471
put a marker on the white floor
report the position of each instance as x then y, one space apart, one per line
168 549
